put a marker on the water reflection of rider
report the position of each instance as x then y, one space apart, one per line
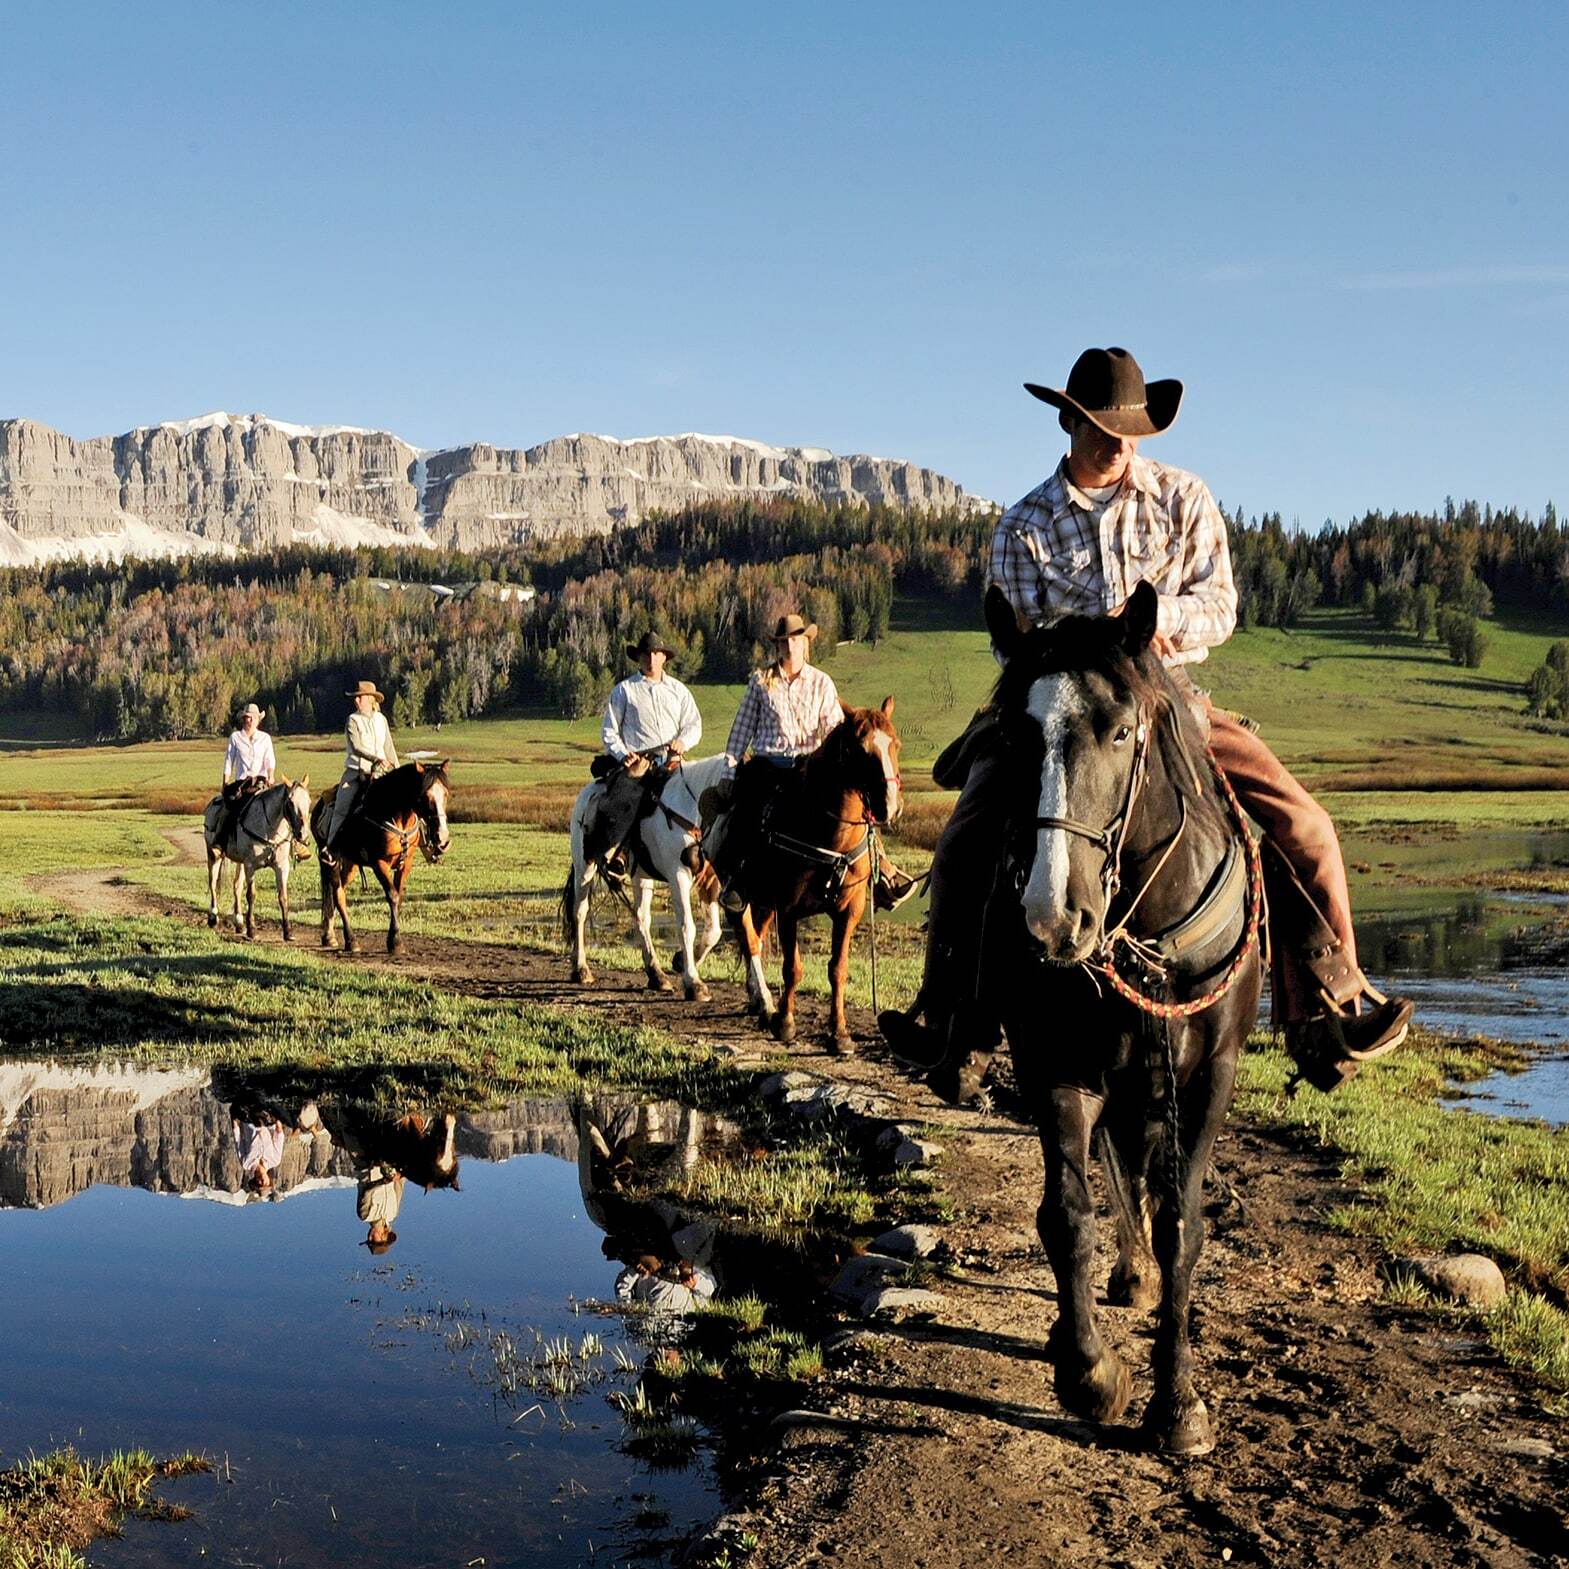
386 1152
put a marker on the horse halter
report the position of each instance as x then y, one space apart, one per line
1110 839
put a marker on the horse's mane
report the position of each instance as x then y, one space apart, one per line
1074 645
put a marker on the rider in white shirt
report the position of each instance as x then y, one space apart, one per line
650 719
248 766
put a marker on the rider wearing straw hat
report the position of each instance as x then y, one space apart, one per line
248 766
1105 520
651 722
369 753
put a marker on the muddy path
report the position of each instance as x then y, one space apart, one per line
1352 1432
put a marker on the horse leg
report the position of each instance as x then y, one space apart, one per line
214 877
239 872
580 881
1090 1379
789 978
392 891
685 960
759 1000
340 900
329 884
281 872
841 1042
643 920
1124 1158
1177 1420
250 900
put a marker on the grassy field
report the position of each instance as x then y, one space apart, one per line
1433 772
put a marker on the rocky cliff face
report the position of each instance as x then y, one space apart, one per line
230 483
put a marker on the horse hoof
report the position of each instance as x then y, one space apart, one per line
658 981
1184 1430
1099 1392
698 993
783 1027
352 947
394 946
582 976
212 920
842 1045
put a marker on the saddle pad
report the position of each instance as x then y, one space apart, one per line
678 798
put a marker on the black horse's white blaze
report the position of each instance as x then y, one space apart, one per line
1054 701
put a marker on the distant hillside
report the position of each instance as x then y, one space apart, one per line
226 483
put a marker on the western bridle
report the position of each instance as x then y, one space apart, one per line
1211 915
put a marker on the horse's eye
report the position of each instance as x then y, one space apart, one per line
1123 732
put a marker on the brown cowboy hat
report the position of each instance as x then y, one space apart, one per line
366 689
1107 388
649 643
793 626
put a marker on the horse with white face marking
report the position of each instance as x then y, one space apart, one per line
270 829
661 848
1122 948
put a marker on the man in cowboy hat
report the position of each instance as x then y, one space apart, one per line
1106 519
368 754
651 722
786 713
248 766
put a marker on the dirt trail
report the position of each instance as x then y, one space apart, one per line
1351 1432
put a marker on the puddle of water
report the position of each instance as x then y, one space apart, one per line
1540 1092
352 1421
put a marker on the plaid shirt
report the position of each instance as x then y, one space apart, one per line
1162 526
780 718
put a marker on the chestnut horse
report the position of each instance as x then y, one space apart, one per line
1121 951
395 813
816 853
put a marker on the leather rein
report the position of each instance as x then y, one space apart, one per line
1210 916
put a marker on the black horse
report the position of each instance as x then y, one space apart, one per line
1122 949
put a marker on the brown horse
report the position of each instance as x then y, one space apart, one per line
817 854
400 810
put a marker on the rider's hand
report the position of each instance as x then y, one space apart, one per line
675 749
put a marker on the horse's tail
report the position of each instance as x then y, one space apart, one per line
567 908
1132 1221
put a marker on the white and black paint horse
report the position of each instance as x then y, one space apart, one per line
269 828
658 848
1122 953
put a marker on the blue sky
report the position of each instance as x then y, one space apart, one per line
858 226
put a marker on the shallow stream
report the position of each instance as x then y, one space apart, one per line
431 1404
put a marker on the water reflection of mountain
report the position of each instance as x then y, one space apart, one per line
65 1128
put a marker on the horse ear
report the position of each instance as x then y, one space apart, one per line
305 781
1140 616
1003 623
888 706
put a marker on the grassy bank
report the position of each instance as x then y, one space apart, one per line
52 1505
1437 1178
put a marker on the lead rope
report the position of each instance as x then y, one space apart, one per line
871 883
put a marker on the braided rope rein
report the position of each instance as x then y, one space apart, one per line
1255 903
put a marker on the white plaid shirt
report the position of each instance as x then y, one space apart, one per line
1161 527
780 718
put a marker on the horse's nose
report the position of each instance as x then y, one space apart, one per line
1066 935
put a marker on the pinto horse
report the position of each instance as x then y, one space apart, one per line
660 847
1121 947
395 813
269 829
816 853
